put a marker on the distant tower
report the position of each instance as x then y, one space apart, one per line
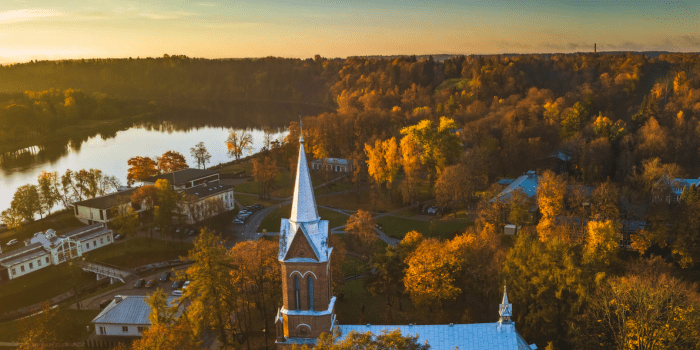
505 310
595 48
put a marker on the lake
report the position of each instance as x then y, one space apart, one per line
110 153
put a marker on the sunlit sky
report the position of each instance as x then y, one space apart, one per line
46 29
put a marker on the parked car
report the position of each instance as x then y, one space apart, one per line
11 242
150 283
157 228
192 232
179 229
238 221
178 292
140 283
178 284
118 237
185 285
165 276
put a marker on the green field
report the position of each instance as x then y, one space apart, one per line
142 251
354 266
40 286
398 227
70 328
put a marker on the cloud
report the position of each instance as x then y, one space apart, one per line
165 15
15 16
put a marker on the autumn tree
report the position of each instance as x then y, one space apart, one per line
265 172
440 145
139 169
376 162
361 226
430 275
125 220
213 298
12 218
387 279
392 161
389 340
238 143
256 274
171 161
167 331
550 199
26 202
411 164
545 281
48 191
454 187
39 331
641 312
168 201
602 244
605 199
201 154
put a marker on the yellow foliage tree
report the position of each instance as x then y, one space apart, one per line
550 198
602 243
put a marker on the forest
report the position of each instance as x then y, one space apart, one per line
625 125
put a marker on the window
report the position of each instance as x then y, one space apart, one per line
94 243
21 268
87 245
102 214
125 328
296 292
109 238
311 292
102 241
31 265
141 329
38 262
102 330
47 259
14 272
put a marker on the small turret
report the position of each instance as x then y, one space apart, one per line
279 326
505 310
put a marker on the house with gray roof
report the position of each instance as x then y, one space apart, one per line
336 165
102 209
527 183
127 316
185 178
48 248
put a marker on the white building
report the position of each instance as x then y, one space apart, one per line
45 249
127 316
337 165
102 209
205 201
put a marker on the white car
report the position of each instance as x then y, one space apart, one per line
11 242
178 292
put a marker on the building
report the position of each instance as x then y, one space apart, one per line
671 189
527 183
204 196
48 248
308 304
124 319
336 165
183 179
102 209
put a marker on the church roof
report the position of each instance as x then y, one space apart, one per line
303 203
304 216
475 336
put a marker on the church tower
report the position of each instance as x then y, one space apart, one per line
308 303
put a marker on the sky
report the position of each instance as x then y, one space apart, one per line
48 29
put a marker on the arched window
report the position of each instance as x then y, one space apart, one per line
311 292
296 291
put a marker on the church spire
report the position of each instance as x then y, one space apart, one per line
303 203
505 310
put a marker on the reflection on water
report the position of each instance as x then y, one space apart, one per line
173 129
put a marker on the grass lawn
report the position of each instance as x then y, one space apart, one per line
349 201
237 168
40 286
398 227
248 199
63 221
71 327
354 266
141 251
283 187
271 223
340 185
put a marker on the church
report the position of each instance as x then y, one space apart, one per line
309 305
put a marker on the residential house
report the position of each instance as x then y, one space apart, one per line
206 200
671 189
123 320
336 165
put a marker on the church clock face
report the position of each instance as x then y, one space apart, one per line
302 252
